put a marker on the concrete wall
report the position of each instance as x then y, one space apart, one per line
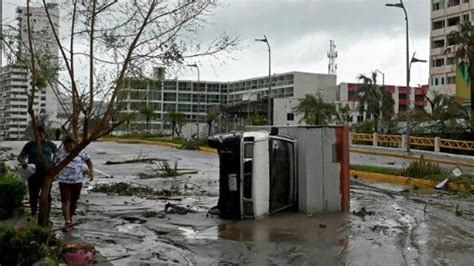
309 83
281 108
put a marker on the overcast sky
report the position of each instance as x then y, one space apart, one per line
368 36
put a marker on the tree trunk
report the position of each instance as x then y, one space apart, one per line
148 124
44 204
173 127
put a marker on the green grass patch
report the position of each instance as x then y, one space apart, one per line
179 141
467 180
377 169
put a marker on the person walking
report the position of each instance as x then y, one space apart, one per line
43 161
70 179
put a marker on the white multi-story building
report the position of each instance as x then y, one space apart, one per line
445 18
14 119
16 80
195 99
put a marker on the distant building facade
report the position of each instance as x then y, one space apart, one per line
16 81
445 75
196 99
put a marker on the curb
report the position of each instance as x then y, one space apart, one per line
402 180
208 150
409 156
159 143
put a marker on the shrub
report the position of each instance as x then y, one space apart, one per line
423 168
190 145
364 127
12 192
27 245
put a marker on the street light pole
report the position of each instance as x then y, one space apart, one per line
269 103
198 96
408 118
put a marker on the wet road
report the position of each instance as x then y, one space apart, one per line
407 227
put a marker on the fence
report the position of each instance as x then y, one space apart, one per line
399 141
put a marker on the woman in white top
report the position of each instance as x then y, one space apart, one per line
70 180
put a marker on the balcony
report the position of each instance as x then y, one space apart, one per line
437 13
437 32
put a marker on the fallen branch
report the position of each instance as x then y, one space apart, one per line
141 160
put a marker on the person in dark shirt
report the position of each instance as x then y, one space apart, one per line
42 162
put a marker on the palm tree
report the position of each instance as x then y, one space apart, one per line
211 117
342 113
315 111
178 120
447 115
464 51
373 99
257 119
148 113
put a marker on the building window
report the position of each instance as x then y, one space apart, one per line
438 4
437 81
454 21
290 116
451 80
438 43
450 61
438 62
453 2
465 17
450 40
438 24
170 97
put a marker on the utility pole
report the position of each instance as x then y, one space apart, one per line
269 104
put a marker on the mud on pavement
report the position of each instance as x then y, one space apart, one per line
386 224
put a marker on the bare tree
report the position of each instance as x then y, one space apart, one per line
103 43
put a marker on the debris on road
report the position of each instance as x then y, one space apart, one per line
163 169
139 160
124 189
362 212
175 209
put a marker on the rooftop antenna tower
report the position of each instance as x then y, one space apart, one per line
332 55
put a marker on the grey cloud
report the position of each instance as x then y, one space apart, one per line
286 19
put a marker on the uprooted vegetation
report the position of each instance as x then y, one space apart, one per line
163 169
124 189
32 243
424 168
191 145
138 160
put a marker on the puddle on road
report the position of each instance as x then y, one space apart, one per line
277 227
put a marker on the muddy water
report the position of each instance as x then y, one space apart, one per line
415 228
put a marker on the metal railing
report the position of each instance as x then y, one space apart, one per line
399 141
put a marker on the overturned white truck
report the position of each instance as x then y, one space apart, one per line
286 168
